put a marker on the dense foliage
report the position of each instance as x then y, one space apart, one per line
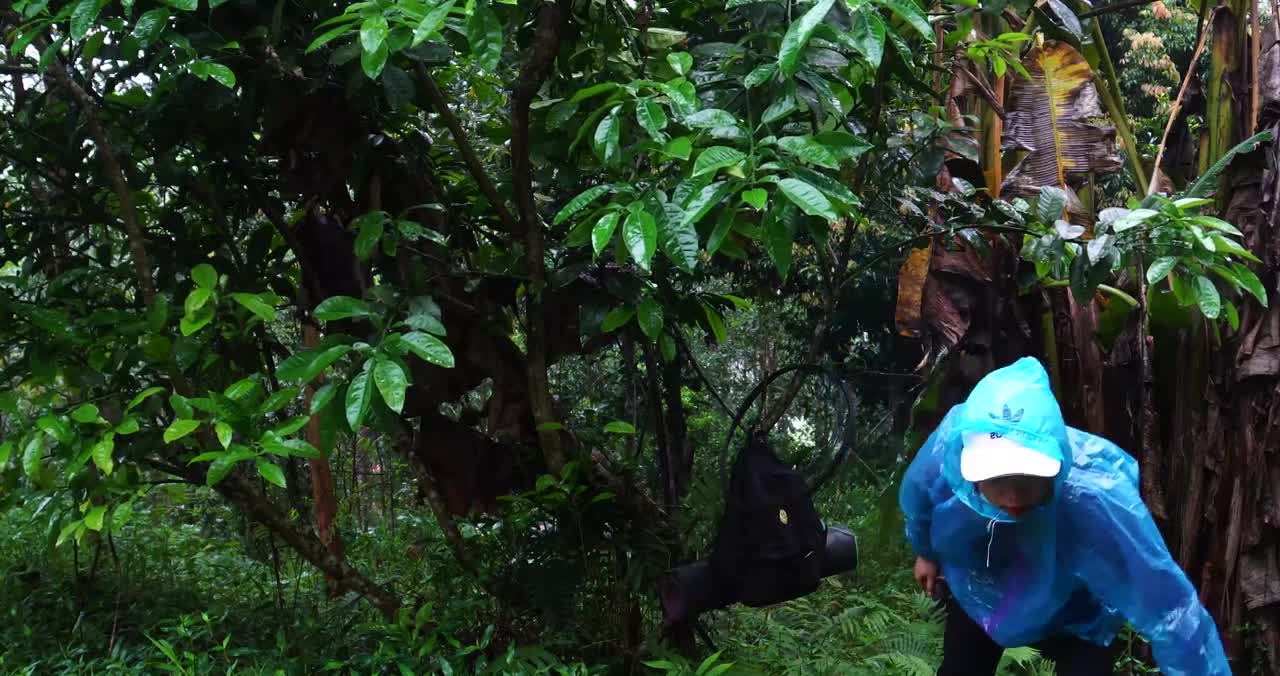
402 335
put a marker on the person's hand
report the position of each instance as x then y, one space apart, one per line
926 574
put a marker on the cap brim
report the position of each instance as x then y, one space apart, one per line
985 457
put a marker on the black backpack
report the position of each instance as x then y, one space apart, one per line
770 543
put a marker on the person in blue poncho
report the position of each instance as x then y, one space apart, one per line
1042 539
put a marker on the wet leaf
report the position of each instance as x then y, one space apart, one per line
911 278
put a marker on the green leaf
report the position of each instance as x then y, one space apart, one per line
204 276
810 200
723 225
908 11
809 151
85 414
716 322
195 301
1160 268
605 142
705 200
342 307
271 472
184 5
484 35
797 37
756 197
179 429
667 346
151 25
582 201
652 118
867 33
1233 315
391 382
1208 298
760 75
224 433
143 396
680 241
602 232
710 118
432 23
222 75
272 443
716 158
279 399
120 516
778 240
1250 282
842 145
640 233
1209 179
1217 224
359 397
680 148
102 454
68 530
620 427
373 32
32 456
291 425
126 427
681 62
305 366
324 38
83 17
93 520
779 109
617 318
370 229
254 303
323 397
220 468
650 318
1051 204
6 450
429 348
373 62
549 427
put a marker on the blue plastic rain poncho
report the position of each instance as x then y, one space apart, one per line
1082 563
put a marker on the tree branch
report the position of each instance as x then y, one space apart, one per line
552 21
441 106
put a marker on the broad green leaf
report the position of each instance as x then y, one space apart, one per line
1217 224
204 275
705 200
1208 180
359 397
723 225
606 140
271 472
179 429
323 397
867 34
69 530
910 12
224 433
196 300
102 452
184 5
602 232
83 17
1233 315
369 229
272 443
649 316
305 366
342 307
680 241
682 94
254 303
617 318
709 118
842 144
220 468
151 25
85 413
1208 298
320 41
779 109
222 75
391 382
93 520
432 23
1051 204
593 91
32 456
778 240
810 200
429 348
667 346
1160 268
680 148
797 37
120 516
58 428
809 151
373 32
143 396
291 425
1250 282
6 450
760 75
620 427
582 201
126 427
652 118
681 62
756 197
640 234
1232 247
279 399
661 38
716 322
373 62
716 158
484 35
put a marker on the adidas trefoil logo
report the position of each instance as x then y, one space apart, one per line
1008 415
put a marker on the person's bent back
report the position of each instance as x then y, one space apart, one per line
1042 539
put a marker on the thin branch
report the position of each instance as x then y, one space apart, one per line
1114 8
441 106
1176 110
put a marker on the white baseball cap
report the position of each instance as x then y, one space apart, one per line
988 455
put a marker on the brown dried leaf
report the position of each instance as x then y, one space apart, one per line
911 278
